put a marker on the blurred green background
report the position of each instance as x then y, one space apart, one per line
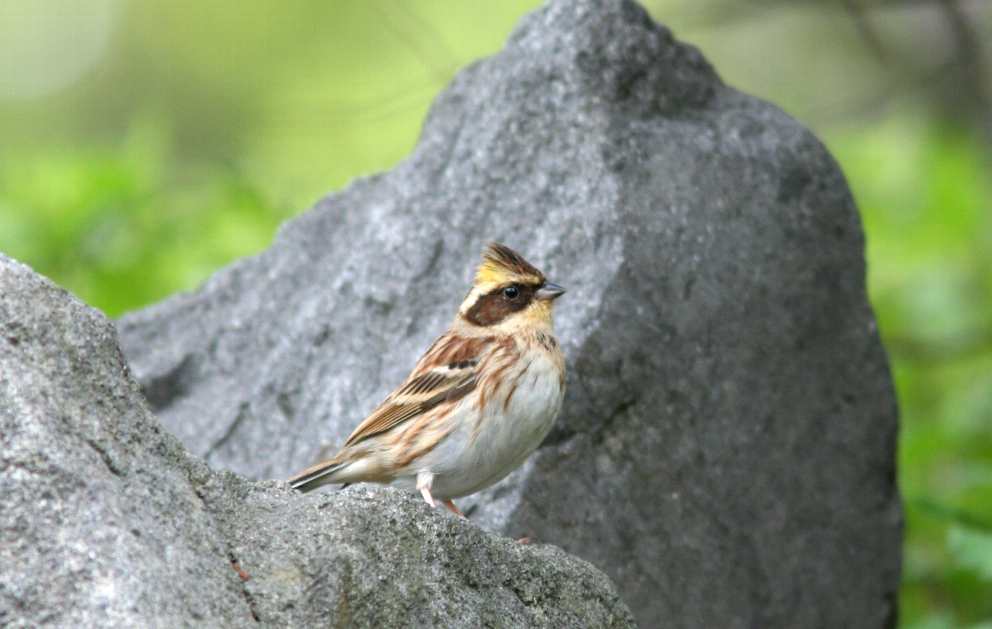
145 144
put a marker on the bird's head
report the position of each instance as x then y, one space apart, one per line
508 293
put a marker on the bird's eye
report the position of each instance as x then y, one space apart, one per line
511 292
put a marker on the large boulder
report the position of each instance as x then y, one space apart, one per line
107 521
726 449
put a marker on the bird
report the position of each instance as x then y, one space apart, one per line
480 400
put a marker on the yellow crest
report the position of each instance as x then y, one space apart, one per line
501 264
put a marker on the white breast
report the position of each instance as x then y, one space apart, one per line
473 458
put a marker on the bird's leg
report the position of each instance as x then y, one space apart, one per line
452 508
424 481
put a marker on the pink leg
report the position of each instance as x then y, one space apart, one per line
452 508
424 481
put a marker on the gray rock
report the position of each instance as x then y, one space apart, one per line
726 451
107 521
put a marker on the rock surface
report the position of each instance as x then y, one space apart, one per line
107 521
726 451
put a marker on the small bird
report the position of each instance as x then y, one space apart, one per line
480 400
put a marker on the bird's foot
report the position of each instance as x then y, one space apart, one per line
452 508
424 482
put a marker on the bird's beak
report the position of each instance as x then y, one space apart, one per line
549 292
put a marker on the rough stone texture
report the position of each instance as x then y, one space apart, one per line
726 449
107 521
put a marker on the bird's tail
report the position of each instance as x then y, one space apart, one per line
316 475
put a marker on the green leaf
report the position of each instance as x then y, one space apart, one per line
971 548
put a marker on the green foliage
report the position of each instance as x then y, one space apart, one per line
972 549
924 193
128 226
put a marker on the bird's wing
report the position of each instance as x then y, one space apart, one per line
445 373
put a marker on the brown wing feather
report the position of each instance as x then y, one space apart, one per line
434 381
